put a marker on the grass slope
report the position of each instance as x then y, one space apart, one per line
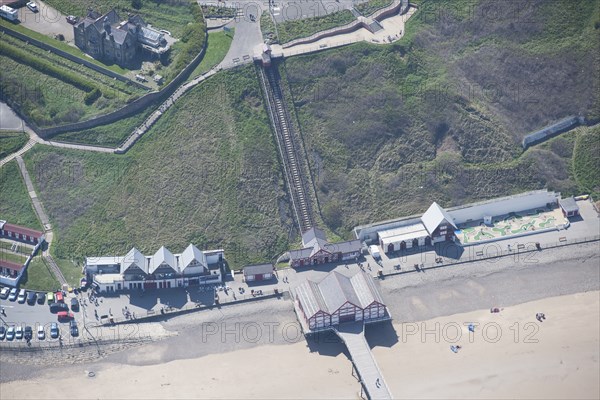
586 162
298 28
11 142
15 204
206 173
439 115
217 48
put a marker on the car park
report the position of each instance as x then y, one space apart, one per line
54 331
41 298
64 316
2 332
33 6
19 332
50 297
4 293
13 294
74 304
58 307
28 333
31 298
41 332
74 329
10 333
22 294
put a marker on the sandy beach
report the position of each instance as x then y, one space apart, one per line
557 358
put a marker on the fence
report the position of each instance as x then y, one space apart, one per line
481 255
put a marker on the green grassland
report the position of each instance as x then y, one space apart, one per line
109 135
440 114
11 142
38 276
206 173
52 90
172 15
15 204
216 50
369 7
586 162
298 28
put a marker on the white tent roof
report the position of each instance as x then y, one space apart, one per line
190 254
134 257
404 233
434 216
162 256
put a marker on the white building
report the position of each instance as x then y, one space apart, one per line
161 270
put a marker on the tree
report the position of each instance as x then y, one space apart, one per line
137 4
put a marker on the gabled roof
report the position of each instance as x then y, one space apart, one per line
134 257
314 236
190 254
162 257
258 269
335 290
350 246
434 216
22 230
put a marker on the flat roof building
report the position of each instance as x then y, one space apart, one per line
316 250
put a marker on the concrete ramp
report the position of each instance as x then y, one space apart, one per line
353 336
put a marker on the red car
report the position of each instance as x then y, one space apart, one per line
59 297
65 316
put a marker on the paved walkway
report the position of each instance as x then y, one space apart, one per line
43 217
353 335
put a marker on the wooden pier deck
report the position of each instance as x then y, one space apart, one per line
353 336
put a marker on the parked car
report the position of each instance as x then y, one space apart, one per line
13 294
72 19
22 295
58 307
31 298
33 6
28 333
74 329
41 332
65 316
41 298
50 297
59 297
54 331
74 304
10 333
19 332
4 293
2 332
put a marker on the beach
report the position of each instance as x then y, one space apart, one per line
558 359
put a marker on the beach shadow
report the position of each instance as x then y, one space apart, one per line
381 334
326 343
146 300
271 281
449 250
175 297
206 298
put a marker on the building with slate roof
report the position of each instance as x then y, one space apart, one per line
107 38
316 250
161 270
338 299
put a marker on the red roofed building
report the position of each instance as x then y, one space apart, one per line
20 233
9 268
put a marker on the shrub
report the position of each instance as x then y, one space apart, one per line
92 96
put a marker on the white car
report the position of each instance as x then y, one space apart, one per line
33 6
19 332
4 293
10 333
41 333
13 294
22 295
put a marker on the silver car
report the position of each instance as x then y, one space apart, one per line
41 332
10 333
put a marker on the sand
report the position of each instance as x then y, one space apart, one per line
559 360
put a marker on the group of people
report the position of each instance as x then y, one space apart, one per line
540 317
